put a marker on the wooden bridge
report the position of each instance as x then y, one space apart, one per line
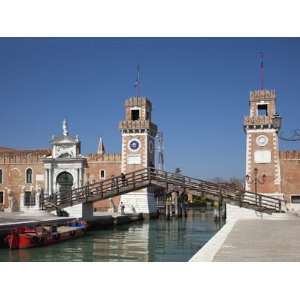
158 180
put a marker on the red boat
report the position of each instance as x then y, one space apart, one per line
29 237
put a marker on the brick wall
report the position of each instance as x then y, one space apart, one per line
290 173
111 165
14 165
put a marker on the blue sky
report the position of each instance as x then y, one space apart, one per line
199 88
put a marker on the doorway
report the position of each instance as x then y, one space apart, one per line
65 183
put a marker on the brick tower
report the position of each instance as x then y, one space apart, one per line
138 144
262 150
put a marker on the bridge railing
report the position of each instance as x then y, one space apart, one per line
224 190
102 189
149 176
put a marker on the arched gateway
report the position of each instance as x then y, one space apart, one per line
64 181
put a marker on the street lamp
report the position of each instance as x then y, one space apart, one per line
256 180
276 121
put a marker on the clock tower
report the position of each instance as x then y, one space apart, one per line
138 146
262 149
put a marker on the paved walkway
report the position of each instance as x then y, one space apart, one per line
254 240
262 240
9 221
7 218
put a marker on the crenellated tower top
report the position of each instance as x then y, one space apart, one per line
262 105
138 116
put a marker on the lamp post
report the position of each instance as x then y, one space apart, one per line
276 121
256 180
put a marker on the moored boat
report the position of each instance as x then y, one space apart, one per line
29 237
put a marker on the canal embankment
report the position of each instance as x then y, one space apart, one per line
258 238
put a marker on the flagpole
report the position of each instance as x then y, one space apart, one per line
137 82
261 55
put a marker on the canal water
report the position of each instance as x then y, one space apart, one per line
157 240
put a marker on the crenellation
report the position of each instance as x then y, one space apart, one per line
27 156
104 157
258 95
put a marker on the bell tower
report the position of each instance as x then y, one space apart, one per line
262 149
138 144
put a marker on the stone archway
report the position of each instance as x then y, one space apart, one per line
64 182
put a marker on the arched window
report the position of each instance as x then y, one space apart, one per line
29 176
1 179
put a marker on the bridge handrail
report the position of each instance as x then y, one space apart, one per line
117 185
103 186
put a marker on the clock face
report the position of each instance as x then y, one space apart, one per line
134 145
261 140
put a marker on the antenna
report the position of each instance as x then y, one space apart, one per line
137 83
160 151
261 70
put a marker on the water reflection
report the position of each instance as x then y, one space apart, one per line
156 240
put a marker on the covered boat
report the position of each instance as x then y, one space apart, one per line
28 237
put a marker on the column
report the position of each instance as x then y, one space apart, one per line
81 177
22 206
78 178
51 181
46 180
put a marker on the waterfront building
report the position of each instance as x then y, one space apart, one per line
277 172
27 175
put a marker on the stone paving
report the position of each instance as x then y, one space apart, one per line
9 221
261 241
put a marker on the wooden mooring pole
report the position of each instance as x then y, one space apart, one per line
176 203
169 206
184 199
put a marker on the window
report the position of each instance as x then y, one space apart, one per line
29 176
1 177
295 199
1 198
135 114
102 174
262 109
29 199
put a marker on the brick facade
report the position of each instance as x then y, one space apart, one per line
14 163
281 170
290 172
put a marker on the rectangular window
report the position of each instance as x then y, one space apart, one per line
295 199
135 114
102 174
1 198
1 179
262 109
